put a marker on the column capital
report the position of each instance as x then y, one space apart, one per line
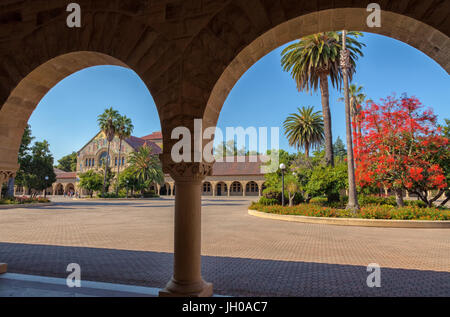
6 174
188 172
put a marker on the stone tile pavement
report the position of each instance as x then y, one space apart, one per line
131 242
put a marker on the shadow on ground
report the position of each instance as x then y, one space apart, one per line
230 276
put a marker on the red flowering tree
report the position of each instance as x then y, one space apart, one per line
400 147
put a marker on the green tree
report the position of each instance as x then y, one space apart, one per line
311 61
91 181
339 150
128 180
328 181
304 129
68 163
228 148
38 173
147 167
107 122
291 186
23 156
124 129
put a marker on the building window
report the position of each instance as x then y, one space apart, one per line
93 162
207 187
123 161
236 187
87 162
115 164
252 187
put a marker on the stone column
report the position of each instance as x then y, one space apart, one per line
172 186
187 279
228 188
5 175
244 188
260 185
213 185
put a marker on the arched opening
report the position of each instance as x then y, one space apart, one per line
165 190
221 189
207 189
69 189
251 189
59 190
236 189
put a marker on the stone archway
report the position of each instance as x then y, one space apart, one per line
189 56
59 190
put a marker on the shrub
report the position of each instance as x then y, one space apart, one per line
368 212
267 201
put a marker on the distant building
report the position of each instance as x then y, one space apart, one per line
228 178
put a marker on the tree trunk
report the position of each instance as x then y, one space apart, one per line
352 195
399 198
329 156
106 170
307 150
118 169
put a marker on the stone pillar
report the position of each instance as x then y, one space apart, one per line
213 185
228 188
172 186
260 185
244 188
407 194
187 280
386 191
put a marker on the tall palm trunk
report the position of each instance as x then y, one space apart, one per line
329 156
106 169
352 196
307 150
118 168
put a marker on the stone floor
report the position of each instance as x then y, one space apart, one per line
131 242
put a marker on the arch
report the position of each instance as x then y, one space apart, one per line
423 37
236 189
221 189
59 189
69 188
207 189
165 190
251 189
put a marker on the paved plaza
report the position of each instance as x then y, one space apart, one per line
131 242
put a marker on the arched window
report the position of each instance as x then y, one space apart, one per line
86 162
206 187
103 158
236 187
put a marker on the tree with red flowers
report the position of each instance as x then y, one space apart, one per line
401 148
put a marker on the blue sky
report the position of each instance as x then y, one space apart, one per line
264 96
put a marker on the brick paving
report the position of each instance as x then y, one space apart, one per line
131 242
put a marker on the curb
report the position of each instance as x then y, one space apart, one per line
384 223
16 206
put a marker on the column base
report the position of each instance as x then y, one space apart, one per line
3 268
176 289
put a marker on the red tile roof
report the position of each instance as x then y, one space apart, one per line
66 175
136 143
153 136
251 166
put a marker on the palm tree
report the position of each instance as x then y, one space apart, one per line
356 99
107 122
346 67
146 166
311 60
305 129
124 129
